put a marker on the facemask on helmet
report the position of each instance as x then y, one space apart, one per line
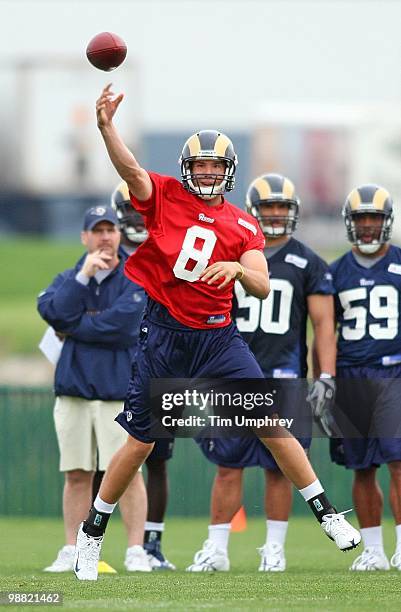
368 200
208 145
267 190
131 222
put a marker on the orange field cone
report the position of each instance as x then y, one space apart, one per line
238 522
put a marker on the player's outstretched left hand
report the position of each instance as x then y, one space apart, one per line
106 106
227 269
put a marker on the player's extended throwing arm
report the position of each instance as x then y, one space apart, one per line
123 160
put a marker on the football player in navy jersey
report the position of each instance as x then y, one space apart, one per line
367 280
275 329
134 233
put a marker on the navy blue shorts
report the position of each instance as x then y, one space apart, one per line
368 408
167 349
163 449
246 451
240 452
363 453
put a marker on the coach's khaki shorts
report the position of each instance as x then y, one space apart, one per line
85 428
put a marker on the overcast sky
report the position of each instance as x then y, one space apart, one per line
216 62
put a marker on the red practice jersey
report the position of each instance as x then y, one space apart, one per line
185 236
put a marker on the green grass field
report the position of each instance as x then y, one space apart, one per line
317 577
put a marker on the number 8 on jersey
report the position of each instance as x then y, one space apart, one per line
188 252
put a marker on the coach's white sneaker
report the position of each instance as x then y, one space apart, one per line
87 553
273 559
338 529
396 560
136 559
64 561
210 559
371 559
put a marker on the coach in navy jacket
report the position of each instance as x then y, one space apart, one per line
101 325
97 311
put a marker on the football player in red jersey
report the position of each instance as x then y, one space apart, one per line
198 245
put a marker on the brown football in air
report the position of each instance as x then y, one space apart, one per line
106 51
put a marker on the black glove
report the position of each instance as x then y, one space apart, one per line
321 400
